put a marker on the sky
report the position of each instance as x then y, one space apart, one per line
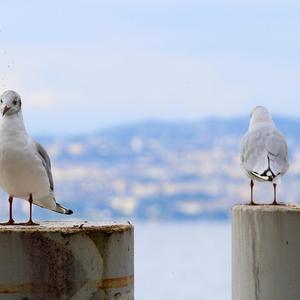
80 66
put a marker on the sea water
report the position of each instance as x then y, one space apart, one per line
182 261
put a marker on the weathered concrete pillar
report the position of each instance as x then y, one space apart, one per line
266 252
66 260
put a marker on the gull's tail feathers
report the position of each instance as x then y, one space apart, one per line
266 176
269 172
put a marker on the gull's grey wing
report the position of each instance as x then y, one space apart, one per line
46 162
278 152
253 152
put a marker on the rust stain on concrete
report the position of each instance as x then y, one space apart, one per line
28 288
24 288
112 283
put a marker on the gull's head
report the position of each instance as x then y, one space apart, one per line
10 103
260 115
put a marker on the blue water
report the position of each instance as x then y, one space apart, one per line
182 261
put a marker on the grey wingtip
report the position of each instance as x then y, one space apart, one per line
62 210
69 212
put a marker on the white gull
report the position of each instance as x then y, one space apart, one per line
264 151
25 168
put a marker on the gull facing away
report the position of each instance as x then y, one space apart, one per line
264 152
25 168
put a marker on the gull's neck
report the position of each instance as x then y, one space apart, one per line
13 123
254 124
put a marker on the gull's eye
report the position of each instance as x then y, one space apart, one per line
15 102
1 101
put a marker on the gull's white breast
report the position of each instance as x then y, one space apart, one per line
21 170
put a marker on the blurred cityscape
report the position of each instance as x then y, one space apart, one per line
162 170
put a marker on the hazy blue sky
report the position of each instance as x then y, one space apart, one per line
84 65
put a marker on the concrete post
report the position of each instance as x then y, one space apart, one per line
66 260
266 252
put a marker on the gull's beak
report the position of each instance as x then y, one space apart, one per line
5 110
